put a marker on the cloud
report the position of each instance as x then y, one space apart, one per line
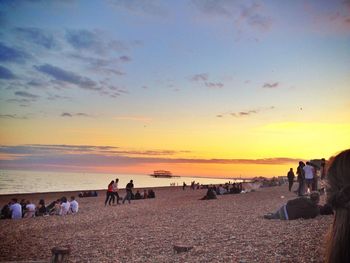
149 7
5 73
240 12
83 39
217 85
12 116
79 114
85 156
67 76
9 54
26 95
270 85
200 77
245 113
125 58
37 36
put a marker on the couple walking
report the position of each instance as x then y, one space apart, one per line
112 192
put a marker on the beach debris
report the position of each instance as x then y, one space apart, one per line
60 254
178 248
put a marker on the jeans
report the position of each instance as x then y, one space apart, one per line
127 197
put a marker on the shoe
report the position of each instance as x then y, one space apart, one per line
269 216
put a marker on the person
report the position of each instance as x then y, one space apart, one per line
309 175
6 212
301 207
110 194
184 186
74 205
16 209
338 196
151 193
128 189
290 176
65 205
54 208
301 179
115 189
145 195
30 210
211 194
138 195
41 209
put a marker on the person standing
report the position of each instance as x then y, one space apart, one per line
128 189
115 189
309 175
301 178
110 193
290 176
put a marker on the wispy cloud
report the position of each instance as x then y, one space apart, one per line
203 78
271 85
5 73
150 7
10 54
67 76
12 116
246 113
26 94
79 114
85 156
37 36
125 58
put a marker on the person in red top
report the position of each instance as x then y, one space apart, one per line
110 194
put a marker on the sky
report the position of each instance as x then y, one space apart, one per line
199 87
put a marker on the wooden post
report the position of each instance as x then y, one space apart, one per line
60 254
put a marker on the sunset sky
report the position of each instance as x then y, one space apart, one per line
203 87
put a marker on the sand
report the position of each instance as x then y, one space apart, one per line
228 229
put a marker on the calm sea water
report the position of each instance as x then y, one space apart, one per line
13 181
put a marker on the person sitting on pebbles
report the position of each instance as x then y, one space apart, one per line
211 194
302 207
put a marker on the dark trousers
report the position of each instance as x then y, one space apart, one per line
117 195
109 198
290 185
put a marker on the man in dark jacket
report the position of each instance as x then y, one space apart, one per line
302 207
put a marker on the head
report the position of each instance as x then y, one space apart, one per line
315 197
41 202
131 181
117 180
14 200
64 199
338 196
72 198
307 163
301 163
291 169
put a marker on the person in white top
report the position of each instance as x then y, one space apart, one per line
16 209
309 174
65 205
30 210
74 206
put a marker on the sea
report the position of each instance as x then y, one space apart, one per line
16 182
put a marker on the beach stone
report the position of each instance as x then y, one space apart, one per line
181 248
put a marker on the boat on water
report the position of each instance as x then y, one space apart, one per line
162 174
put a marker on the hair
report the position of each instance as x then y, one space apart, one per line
72 197
338 196
315 197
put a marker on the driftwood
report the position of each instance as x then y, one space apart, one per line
60 254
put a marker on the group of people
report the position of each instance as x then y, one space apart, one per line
307 176
214 190
112 193
27 209
337 203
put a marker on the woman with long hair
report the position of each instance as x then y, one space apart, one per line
338 196
110 194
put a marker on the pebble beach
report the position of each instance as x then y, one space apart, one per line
228 229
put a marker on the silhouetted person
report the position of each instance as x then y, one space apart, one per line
128 189
290 176
301 179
